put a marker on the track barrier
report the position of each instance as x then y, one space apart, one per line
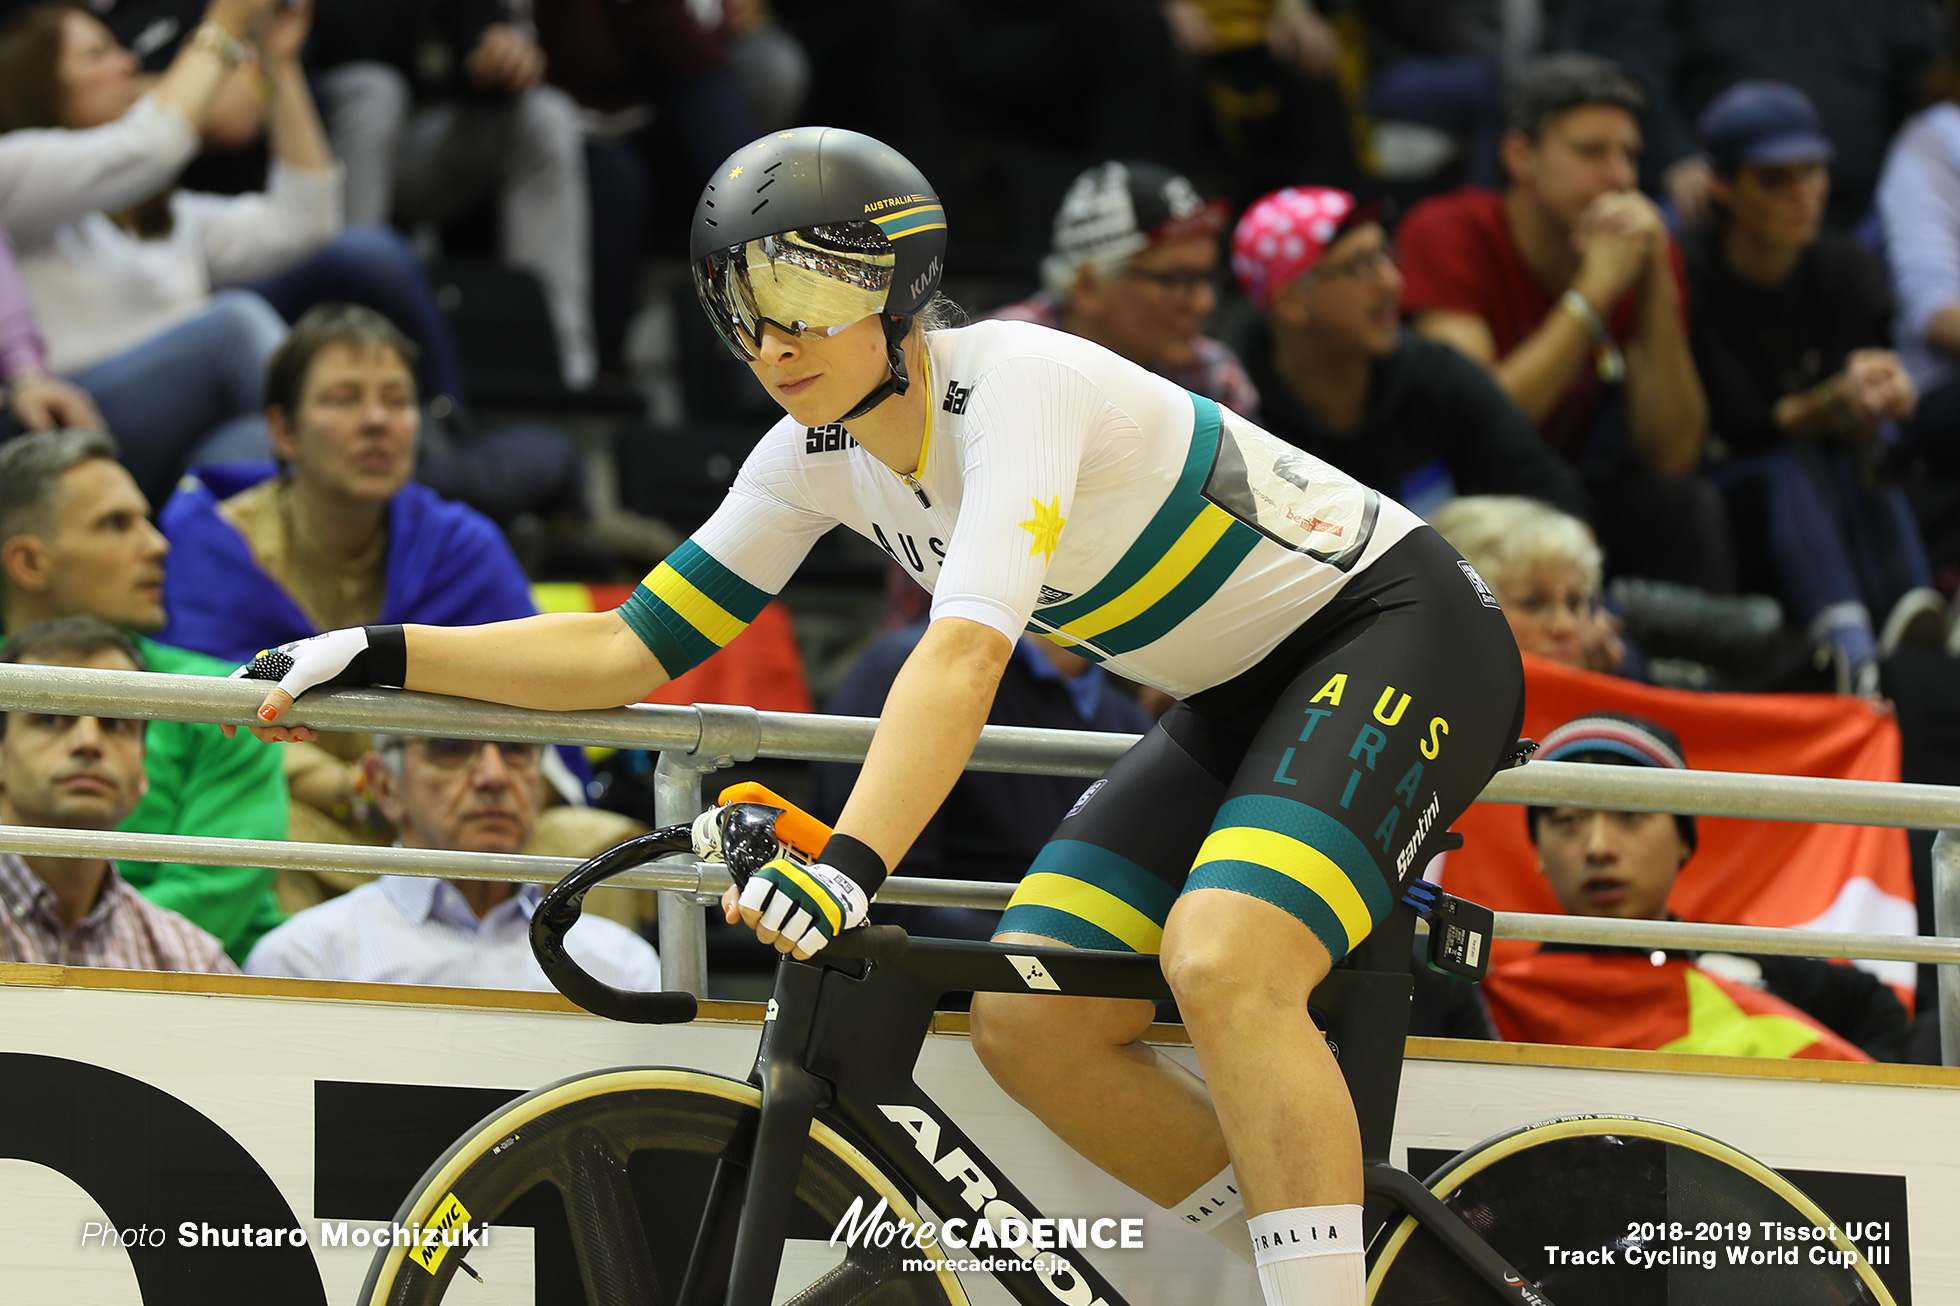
695 741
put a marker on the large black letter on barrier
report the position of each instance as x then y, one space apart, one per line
148 1158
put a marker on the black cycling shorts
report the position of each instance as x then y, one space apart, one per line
1311 781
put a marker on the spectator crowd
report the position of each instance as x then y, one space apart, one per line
1652 309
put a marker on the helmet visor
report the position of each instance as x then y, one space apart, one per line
812 279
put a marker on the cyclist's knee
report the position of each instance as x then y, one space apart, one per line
1229 956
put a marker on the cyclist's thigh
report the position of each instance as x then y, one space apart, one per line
1391 728
1108 876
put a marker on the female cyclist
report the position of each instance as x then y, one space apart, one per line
1346 682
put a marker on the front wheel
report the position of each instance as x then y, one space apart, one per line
650 1165
1641 1214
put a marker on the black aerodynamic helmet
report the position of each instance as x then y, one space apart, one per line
814 229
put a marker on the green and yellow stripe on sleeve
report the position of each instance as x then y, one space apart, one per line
1188 550
690 607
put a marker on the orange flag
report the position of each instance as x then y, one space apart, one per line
1784 873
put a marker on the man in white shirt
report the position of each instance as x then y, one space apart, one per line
456 794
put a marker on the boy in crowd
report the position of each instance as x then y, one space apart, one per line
1623 865
1792 340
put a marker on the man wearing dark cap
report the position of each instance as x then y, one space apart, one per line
1342 380
1862 61
1134 267
1624 865
1790 326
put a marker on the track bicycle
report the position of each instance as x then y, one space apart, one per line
681 1188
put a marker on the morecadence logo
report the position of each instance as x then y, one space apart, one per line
1024 1240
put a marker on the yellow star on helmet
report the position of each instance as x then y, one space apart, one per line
735 172
1046 527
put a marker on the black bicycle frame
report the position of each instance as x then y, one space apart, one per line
842 1038
866 1024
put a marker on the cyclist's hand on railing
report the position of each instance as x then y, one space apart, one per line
798 909
359 657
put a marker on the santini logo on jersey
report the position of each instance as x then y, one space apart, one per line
956 397
1049 594
827 439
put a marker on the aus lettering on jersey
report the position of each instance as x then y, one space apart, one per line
1389 712
827 439
907 550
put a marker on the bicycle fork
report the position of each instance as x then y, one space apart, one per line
1404 1190
790 1098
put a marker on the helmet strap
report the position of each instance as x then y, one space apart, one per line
897 383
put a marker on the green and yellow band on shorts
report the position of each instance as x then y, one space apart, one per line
1301 860
690 607
1088 897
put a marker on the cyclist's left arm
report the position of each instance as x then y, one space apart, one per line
1028 424
926 733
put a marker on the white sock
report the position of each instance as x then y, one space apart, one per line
1217 1211
1310 1256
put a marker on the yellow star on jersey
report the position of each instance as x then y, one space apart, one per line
735 172
1046 527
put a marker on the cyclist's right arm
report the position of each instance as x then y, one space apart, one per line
523 663
526 662
687 608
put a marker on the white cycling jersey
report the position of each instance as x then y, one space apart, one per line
1061 489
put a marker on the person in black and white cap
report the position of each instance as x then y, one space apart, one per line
1134 266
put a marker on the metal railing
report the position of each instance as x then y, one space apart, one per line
695 741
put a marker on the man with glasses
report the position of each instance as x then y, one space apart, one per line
1134 267
1342 380
464 795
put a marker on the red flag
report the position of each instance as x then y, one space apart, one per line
1783 873
1619 999
761 667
